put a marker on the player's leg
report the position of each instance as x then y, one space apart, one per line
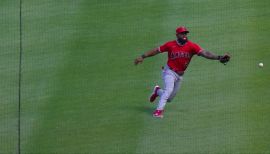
169 80
157 91
177 86
160 92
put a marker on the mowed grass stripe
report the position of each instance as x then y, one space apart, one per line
45 40
9 64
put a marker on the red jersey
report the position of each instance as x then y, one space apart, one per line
179 55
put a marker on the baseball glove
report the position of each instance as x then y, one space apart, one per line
224 59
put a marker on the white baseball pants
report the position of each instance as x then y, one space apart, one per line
172 83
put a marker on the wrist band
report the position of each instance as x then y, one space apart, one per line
143 56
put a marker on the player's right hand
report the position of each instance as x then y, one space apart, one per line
138 60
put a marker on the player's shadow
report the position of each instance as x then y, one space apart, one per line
139 108
144 109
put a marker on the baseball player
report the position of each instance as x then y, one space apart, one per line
180 52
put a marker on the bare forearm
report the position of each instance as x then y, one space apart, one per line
150 53
209 55
145 55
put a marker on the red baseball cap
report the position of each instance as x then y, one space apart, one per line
181 29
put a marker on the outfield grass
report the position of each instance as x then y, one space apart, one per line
9 62
81 92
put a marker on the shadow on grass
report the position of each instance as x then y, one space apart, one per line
144 109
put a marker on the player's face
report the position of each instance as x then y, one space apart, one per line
182 37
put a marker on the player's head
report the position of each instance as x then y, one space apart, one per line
181 34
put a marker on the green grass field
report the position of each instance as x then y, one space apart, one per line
81 93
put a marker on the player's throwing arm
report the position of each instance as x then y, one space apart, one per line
150 53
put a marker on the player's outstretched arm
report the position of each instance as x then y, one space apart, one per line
150 53
209 55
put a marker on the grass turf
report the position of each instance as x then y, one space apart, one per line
82 94
9 62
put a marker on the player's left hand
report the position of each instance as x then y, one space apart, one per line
225 58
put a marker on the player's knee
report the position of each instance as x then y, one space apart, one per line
169 91
171 97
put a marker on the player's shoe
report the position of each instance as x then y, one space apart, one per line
154 94
158 114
